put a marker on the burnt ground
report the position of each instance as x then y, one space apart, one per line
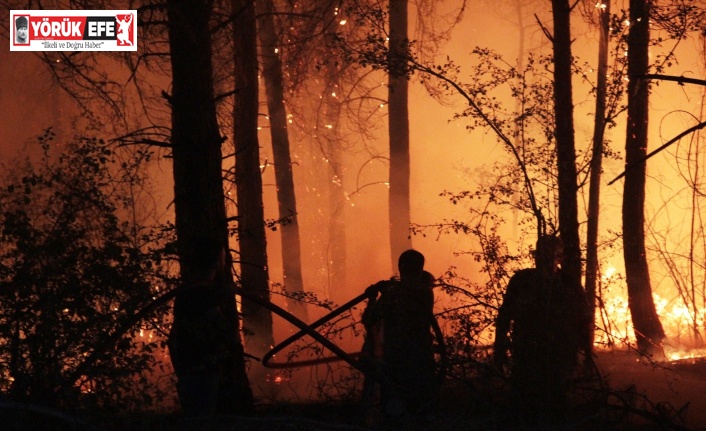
631 395
677 387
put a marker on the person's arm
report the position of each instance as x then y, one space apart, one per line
429 295
369 316
503 320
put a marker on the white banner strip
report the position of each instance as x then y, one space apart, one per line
73 30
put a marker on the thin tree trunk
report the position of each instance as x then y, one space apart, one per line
518 139
196 149
257 321
594 190
336 252
566 153
399 206
286 198
695 232
648 328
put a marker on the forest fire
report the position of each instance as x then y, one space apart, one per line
277 378
462 131
682 324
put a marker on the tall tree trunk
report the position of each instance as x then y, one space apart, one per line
566 153
286 198
648 328
594 190
399 207
255 279
517 139
196 149
336 251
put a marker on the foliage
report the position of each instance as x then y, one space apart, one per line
73 276
525 184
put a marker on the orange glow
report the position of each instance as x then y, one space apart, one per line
678 321
277 379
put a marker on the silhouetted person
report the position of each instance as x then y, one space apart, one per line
201 343
542 312
398 322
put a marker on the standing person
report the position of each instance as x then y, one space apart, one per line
540 325
398 322
21 34
200 344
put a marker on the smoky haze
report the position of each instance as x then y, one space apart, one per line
445 156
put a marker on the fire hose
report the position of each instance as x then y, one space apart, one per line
339 353
305 329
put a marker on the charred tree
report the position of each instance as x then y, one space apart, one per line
648 328
254 275
566 164
594 189
398 126
286 198
196 149
566 152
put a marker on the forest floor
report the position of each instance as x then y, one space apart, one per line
631 395
676 387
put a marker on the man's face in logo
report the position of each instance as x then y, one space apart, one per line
22 33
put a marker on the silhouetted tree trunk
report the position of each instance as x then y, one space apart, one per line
251 226
336 252
648 328
566 153
286 198
399 207
594 190
336 255
196 149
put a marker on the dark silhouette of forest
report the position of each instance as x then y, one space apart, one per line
269 121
